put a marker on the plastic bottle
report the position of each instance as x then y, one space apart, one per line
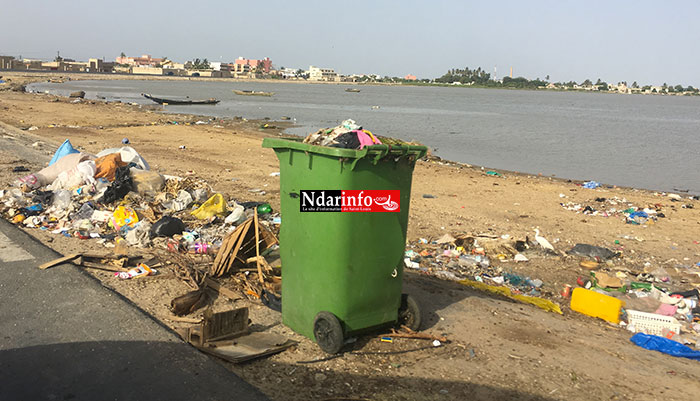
202 248
264 208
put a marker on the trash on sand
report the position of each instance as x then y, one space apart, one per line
606 281
124 217
121 186
598 305
591 184
190 302
66 148
589 264
593 252
227 336
214 206
664 345
650 323
506 292
167 226
242 244
142 270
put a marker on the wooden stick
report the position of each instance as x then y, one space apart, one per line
58 261
237 247
223 251
214 285
257 247
101 266
415 335
185 319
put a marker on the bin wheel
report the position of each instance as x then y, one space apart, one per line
409 313
328 332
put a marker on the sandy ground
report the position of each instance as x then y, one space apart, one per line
498 349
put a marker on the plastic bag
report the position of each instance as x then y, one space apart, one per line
129 155
49 174
661 344
124 217
107 166
84 172
236 216
146 182
212 207
121 186
167 226
183 200
139 236
200 195
65 149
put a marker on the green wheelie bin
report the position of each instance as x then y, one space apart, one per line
342 238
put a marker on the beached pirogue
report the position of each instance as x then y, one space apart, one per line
161 100
252 93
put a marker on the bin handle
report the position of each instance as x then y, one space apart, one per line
382 151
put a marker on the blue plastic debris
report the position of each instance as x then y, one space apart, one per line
591 184
662 344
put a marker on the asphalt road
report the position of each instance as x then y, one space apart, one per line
66 337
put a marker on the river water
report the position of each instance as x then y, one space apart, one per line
650 142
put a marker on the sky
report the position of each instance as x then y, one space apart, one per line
651 42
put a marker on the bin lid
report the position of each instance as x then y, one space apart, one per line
372 151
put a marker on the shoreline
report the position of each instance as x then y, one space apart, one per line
106 76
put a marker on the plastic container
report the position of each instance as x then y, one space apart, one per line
652 323
342 271
597 305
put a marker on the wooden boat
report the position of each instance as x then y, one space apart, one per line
161 100
253 93
351 90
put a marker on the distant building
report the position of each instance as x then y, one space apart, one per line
95 65
143 61
288 73
6 62
322 74
146 70
64 66
410 77
244 65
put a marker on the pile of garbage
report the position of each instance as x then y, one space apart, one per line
467 257
114 196
618 207
646 299
347 135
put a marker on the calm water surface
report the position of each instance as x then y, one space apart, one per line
632 140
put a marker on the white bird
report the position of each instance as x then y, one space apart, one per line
543 241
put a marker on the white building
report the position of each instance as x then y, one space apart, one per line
322 74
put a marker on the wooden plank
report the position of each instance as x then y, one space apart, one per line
102 266
58 261
257 247
214 285
226 259
237 247
224 250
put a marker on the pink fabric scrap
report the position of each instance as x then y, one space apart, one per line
366 140
667 310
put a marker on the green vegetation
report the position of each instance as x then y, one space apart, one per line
198 64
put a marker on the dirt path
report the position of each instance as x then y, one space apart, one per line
498 350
